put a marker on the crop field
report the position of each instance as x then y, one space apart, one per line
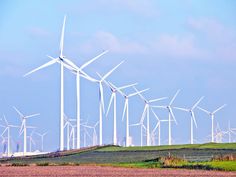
108 157
86 171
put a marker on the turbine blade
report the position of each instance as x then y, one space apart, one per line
104 77
127 86
71 64
155 114
158 99
208 112
111 99
172 115
62 37
194 119
20 114
102 97
182 109
136 93
125 109
163 107
140 95
133 125
33 115
158 123
195 105
4 117
143 114
174 97
93 59
41 67
4 131
219 109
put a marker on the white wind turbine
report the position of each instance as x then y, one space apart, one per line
212 115
7 127
23 128
146 112
72 135
126 110
101 98
158 125
142 126
229 132
31 140
94 132
64 62
78 72
192 120
170 115
68 125
42 139
114 91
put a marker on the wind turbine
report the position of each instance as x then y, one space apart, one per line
7 129
114 90
64 62
31 140
190 110
229 132
158 125
126 110
142 126
94 132
42 139
24 127
78 71
170 115
101 99
212 115
146 112
72 135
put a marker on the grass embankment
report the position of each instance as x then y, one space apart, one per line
172 147
173 162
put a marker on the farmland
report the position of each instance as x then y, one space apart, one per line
194 156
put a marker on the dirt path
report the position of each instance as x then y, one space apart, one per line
103 171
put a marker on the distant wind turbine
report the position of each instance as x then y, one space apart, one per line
190 110
212 115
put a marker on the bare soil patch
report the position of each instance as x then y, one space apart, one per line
104 171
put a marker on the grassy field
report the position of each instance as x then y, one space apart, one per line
195 156
166 147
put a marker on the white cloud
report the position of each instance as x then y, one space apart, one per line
221 38
108 41
177 46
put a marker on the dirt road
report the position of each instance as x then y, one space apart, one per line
67 171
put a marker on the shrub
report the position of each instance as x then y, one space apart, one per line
42 164
172 161
227 157
19 164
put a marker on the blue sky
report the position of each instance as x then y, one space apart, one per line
167 45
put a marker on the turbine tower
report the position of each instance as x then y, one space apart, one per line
146 112
42 139
7 127
101 98
23 128
170 115
114 90
158 125
212 115
126 110
78 71
64 62
190 110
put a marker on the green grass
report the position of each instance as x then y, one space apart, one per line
167 147
221 165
